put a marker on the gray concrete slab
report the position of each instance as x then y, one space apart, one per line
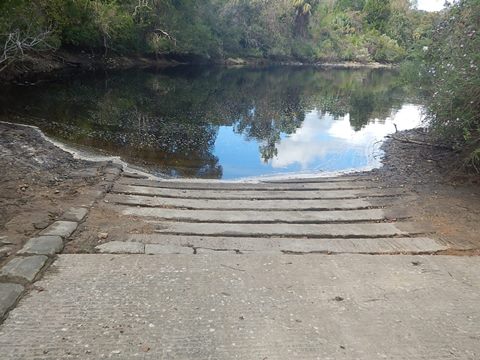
280 204
60 228
5 251
75 214
120 247
112 170
43 245
266 195
250 307
240 186
9 293
158 249
283 230
251 216
279 245
23 268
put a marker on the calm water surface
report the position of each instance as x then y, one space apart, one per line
224 123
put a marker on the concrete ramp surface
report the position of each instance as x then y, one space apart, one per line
328 268
249 307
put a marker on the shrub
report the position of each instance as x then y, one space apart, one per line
303 51
384 49
453 61
377 13
327 51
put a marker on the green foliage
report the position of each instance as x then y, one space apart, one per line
377 13
453 61
384 49
94 24
350 4
305 30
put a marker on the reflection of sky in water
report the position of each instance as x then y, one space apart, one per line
321 145
223 123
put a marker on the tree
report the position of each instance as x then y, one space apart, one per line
377 13
303 10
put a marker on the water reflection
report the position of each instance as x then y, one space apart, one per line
223 123
326 143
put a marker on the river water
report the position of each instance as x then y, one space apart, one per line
220 123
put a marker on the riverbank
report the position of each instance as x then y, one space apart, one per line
39 182
447 198
61 63
52 65
42 181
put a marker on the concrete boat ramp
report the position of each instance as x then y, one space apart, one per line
327 268
324 215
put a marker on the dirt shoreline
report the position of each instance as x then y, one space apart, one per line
41 181
63 63
446 198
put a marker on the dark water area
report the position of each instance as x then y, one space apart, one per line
209 122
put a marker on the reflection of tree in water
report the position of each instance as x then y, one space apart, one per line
121 115
267 125
183 149
268 110
171 120
366 96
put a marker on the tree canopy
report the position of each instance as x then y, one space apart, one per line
303 30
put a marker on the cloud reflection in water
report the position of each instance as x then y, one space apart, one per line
324 144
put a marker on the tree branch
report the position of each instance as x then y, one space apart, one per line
166 35
17 44
416 142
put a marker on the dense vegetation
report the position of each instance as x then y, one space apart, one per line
451 64
305 30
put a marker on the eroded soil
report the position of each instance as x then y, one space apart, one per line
38 182
447 198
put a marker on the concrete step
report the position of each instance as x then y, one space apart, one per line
248 194
254 216
282 230
291 245
242 186
280 204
